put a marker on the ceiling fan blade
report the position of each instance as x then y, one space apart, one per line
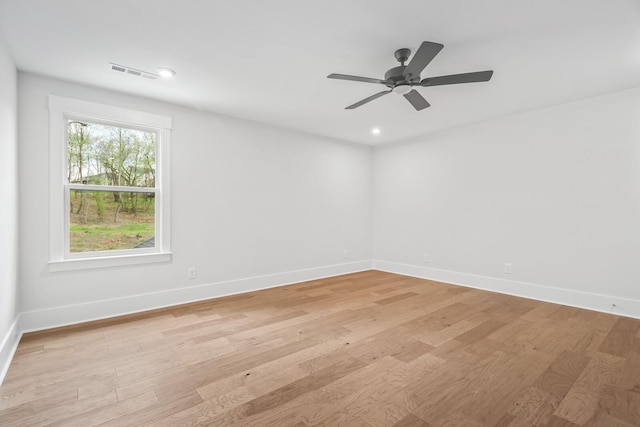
478 76
356 78
425 54
417 100
369 99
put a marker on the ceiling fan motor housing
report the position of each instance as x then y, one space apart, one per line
394 76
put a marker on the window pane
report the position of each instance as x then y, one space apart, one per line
110 220
110 155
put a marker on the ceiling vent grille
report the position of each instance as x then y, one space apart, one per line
133 71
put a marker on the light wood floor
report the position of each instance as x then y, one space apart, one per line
370 349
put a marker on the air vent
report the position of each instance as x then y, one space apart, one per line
133 71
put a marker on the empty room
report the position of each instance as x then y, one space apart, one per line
320 213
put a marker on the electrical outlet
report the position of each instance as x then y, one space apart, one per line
507 268
427 258
191 273
345 255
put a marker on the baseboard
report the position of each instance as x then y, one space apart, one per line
72 314
590 301
8 347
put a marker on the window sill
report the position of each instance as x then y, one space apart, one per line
104 262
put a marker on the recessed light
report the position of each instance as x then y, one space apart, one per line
166 72
375 131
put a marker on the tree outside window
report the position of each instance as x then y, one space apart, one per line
111 175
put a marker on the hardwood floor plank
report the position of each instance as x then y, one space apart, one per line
620 339
438 337
412 350
71 408
354 395
562 374
304 385
105 414
581 402
606 420
149 414
400 297
481 331
201 413
630 376
556 421
534 408
621 404
412 421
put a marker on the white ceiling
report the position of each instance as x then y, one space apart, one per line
267 61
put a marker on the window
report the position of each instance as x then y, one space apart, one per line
109 186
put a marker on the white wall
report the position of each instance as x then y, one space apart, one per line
8 207
248 200
554 192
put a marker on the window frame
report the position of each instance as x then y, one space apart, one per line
60 111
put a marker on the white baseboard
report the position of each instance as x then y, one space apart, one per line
8 347
590 301
72 314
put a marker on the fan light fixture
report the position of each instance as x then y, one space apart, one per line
375 131
402 89
166 72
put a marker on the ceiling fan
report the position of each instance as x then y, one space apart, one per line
401 80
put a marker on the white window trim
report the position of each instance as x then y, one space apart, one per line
59 259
